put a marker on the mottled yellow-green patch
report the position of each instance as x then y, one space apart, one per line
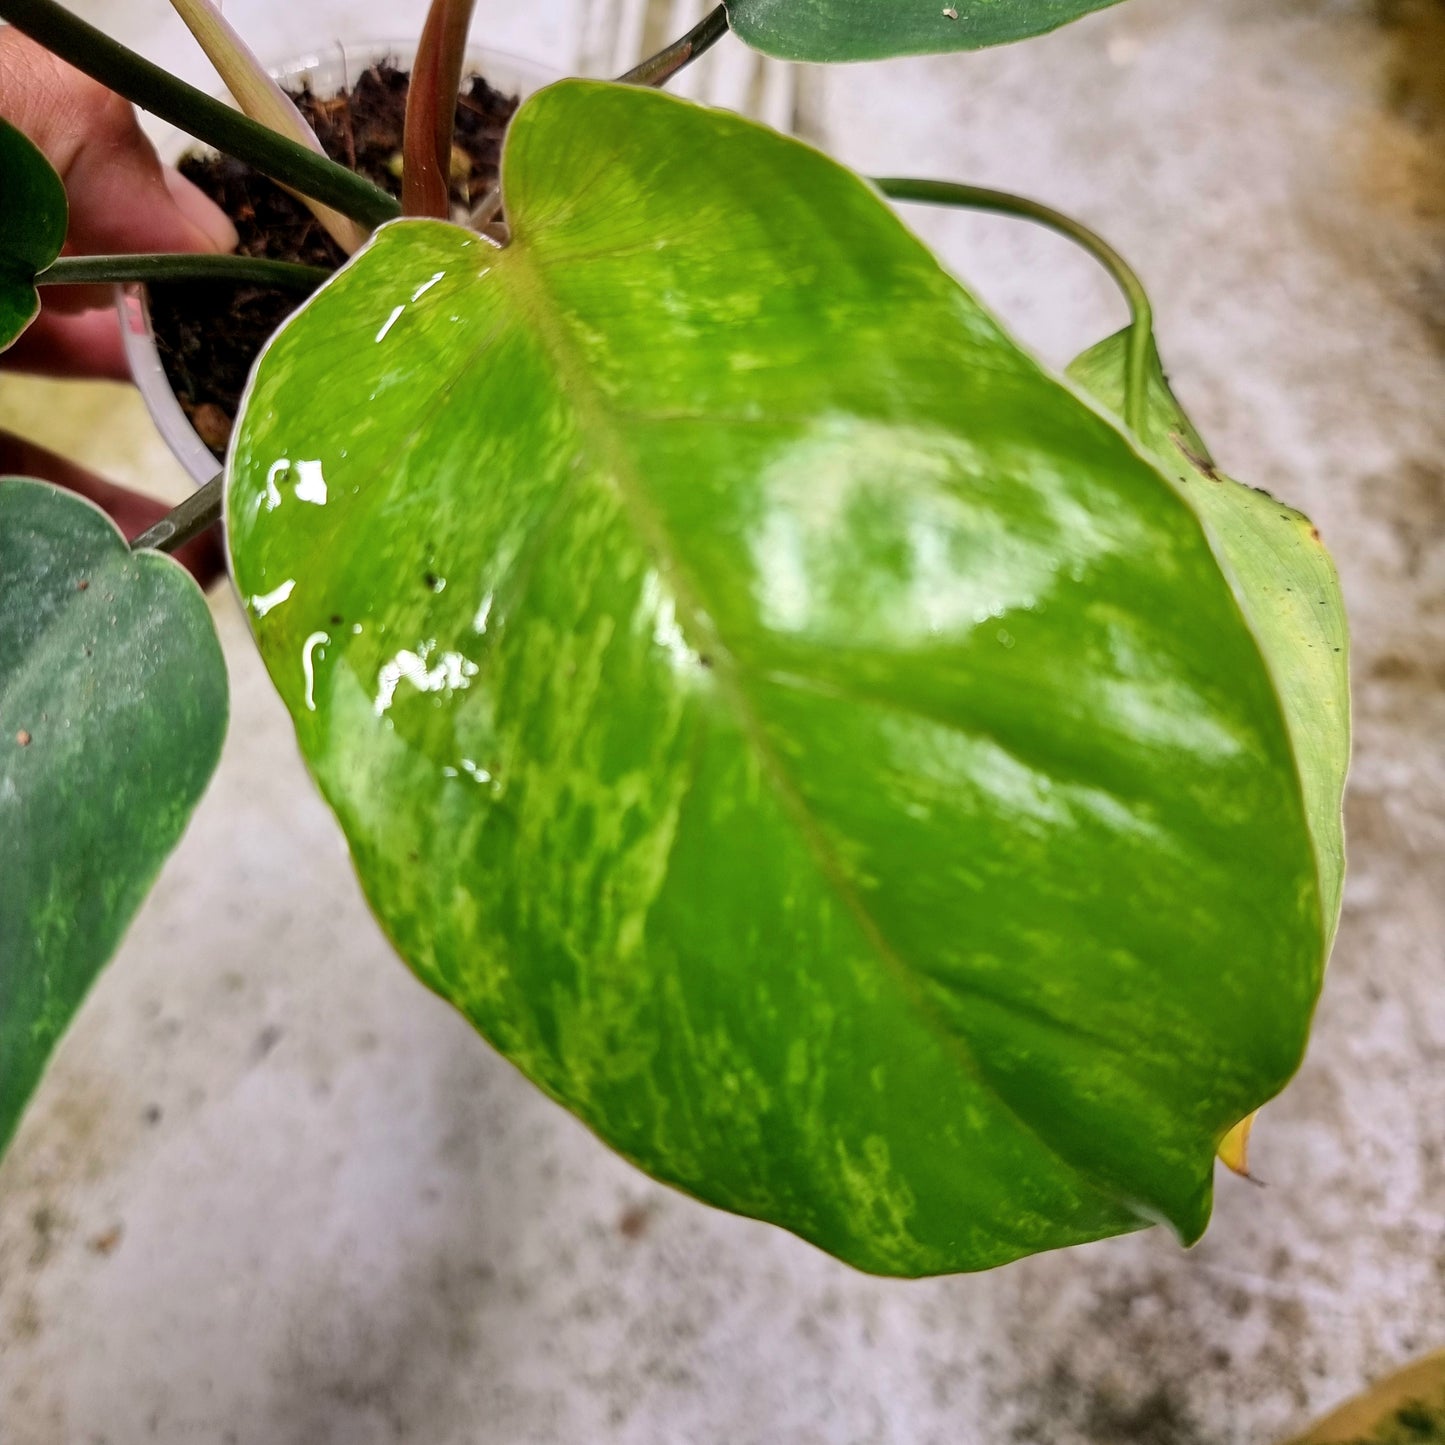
111 673
836 766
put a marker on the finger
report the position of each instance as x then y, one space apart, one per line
71 300
74 346
130 511
120 197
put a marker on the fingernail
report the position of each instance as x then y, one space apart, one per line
213 228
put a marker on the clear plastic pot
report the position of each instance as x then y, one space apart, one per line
327 72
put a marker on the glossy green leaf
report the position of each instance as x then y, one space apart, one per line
801 734
876 29
33 218
112 709
1287 587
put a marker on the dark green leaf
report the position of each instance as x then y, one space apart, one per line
877 29
112 709
1286 584
33 218
800 733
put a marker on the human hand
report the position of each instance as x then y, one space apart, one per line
130 511
121 200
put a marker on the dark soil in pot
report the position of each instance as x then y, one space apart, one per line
208 336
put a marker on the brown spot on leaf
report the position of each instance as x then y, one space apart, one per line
23 738
1201 464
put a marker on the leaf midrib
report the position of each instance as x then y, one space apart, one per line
533 300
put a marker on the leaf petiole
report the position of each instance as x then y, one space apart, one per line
1141 313
198 513
660 68
261 98
182 266
655 71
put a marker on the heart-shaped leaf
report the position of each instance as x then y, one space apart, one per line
804 736
112 709
33 219
876 29
1287 587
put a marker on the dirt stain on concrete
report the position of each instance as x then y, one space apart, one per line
1406 153
1417 87
1414 507
1105 1411
1400 146
79 1128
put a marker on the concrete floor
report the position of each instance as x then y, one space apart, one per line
275 1193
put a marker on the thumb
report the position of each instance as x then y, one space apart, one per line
204 217
121 197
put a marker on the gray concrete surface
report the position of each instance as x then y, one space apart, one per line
274 1193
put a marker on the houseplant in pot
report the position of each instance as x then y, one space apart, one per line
354 97
877 787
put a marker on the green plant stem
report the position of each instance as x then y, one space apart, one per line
260 96
660 68
195 112
184 266
655 71
198 513
1141 313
